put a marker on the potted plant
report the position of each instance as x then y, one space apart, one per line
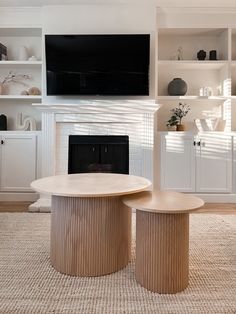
172 123
180 112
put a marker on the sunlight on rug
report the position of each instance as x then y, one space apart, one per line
28 283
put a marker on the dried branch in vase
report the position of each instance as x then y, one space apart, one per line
15 78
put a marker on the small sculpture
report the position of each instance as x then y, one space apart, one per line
213 55
178 55
34 91
201 55
26 123
3 122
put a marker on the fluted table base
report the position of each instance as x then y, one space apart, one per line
162 251
90 236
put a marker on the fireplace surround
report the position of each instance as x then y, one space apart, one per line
133 118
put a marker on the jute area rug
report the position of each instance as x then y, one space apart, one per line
28 283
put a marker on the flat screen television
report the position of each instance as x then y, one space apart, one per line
97 64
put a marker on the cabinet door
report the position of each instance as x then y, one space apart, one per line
214 164
114 157
18 162
177 163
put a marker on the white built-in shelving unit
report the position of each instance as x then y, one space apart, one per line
218 74
11 100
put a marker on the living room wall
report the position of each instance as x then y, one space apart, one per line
100 19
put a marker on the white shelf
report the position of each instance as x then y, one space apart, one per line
21 63
191 97
20 97
194 32
194 64
21 31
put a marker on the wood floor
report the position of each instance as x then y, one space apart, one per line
14 206
217 208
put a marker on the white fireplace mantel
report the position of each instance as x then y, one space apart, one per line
101 107
113 111
134 118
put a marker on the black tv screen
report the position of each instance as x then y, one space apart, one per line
97 64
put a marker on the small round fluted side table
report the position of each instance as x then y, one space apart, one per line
162 239
90 225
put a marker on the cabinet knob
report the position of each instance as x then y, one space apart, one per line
106 149
2 142
198 143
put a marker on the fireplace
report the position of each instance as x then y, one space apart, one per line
98 153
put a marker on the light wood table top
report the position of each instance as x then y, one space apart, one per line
163 202
91 185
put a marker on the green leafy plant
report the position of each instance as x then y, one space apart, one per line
173 121
180 111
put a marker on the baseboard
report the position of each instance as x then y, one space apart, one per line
218 198
18 197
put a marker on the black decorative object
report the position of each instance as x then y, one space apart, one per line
201 55
213 55
3 122
177 87
3 52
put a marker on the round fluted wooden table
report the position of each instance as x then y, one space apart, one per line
162 239
90 225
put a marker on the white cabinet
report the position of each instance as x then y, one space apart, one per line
214 164
200 163
177 163
18 162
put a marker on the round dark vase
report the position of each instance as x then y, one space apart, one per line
3 122
177 87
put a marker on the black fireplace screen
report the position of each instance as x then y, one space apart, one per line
98 153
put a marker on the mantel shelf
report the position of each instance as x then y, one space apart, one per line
101 107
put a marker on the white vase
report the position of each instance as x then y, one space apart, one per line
23 53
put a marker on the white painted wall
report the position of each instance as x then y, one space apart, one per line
100 19
20 17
